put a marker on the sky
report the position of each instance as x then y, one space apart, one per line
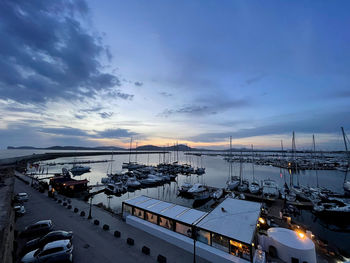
96 73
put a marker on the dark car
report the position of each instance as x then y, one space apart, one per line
50 237
37 229
56 251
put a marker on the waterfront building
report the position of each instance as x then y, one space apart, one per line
227 234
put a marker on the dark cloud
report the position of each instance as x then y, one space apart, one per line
45 52
80 117
138 83
212 107
115 133
66 131
191 109
106 115
93 109
165 94
254 79
326 123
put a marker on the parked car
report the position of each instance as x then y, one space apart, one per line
56 251
19 210
21 197
39 228
50 237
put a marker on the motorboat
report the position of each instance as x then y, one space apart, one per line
185 187
270 189
116 188
218 194
79 169
132 183
197 188
199 171
254 187
333 207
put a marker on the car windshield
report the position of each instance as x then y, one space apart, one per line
36 253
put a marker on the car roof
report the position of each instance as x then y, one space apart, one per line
22 194
58 243
43 222
52 233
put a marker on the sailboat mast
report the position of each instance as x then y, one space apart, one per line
314 145
230 159
240 170
130 149
253 163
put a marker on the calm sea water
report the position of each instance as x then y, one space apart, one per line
217 173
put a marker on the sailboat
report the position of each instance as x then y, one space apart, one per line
254 186
233 181
243 184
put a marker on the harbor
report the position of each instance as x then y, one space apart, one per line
279 211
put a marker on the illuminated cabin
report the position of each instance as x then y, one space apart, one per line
226 234
68 186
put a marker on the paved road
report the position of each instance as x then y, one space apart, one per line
92 243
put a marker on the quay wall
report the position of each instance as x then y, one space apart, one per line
7 218
54 155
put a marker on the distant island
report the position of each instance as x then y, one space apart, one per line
180 147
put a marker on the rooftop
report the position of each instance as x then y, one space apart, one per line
233 218
180 213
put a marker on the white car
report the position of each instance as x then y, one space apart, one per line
21 197
56 251
19 210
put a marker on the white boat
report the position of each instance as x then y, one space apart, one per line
218 194
333 207
116 188
270 188
197 188
243 186
132 183
198 196
185 187
254 187
287 194
233 183
79 169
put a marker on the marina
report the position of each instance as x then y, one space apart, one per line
169 189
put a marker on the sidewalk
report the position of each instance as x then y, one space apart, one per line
141 238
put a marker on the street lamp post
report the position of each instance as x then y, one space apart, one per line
193 232
89 217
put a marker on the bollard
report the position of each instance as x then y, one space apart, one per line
96 222
130 241
116 233
105 227
76 210
161 259
69 207
64 204
146 250
82 213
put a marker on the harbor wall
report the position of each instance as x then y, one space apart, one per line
202 250
7 218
